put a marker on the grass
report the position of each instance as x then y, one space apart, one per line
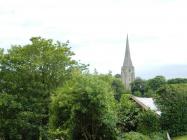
180 138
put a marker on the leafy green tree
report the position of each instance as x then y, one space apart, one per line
29 74
127 114
156 83
84 109
172 101
138 85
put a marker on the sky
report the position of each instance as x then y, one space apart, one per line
97 31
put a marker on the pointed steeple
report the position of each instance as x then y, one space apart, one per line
127 60
127 70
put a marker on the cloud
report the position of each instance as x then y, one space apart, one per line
97 29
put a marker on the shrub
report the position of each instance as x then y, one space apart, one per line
127 114
84 109
148 122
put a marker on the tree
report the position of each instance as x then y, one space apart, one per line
138 85
29 74
172 101
157 82
84 109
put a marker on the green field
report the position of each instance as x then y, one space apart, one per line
180 138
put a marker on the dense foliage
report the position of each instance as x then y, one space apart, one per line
84 109
118 88
148 122
115 83
45 95
29 74
172 101
147 88
138 87
177 81
156 83
128 113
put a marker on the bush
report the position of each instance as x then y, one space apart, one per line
84 109
127 114
148 122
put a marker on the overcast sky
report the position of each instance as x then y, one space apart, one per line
97 31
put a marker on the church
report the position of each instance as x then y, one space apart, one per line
127 70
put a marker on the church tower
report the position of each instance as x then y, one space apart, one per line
127 70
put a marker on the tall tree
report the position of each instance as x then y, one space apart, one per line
29 74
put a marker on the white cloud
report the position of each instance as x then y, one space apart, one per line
97 29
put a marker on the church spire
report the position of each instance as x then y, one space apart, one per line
127 70
127 60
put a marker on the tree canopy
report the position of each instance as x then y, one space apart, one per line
45 95
29 74
172 101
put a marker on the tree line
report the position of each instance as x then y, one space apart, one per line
46 95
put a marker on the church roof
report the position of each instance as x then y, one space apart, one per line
127 60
